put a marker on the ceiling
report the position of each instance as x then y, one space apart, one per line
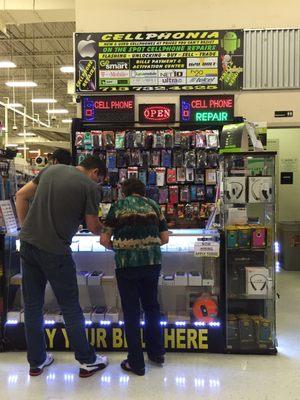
38 50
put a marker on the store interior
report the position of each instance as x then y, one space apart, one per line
218 153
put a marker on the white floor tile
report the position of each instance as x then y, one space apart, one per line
207 376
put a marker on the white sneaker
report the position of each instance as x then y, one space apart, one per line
87 370
36 371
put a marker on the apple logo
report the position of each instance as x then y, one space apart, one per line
86 48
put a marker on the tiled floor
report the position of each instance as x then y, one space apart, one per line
207 376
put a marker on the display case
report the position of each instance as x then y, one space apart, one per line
248 214
190 295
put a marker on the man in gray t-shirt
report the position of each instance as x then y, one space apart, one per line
62 197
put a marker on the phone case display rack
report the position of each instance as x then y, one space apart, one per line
178 166
248 203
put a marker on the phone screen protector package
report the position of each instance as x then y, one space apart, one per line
139 139
190 159
79 139
111 159
212 139
129 140
155 158
171 175
163 195
189 175
200 139
168 138
178 158
166 158
96 139
181 174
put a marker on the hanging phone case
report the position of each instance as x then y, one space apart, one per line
121 159
155 158
166 158
200 140
177 139
168 138
148 140
163 195
143 176
129 140
184 194
133 172
189 175
259 237
96 139
177 158
181 174
193 190
151 177
79 139
146 159
138 139
171 175
173 194
120 140
200 193
122 175
199 176
111 160
190 159
160 176
113 177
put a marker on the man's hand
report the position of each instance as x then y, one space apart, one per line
105 240
93 224
23 198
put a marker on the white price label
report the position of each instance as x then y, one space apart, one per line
206 249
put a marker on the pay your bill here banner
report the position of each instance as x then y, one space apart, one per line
159 61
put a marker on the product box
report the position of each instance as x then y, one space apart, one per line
244 238
257 279
82 277
181 279
235 189
259 236
168 280
208 282
94 279
260 189
232 238
247 332
87 313
195 278
112 315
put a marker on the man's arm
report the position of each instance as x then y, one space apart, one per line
105 240
23 198
93 224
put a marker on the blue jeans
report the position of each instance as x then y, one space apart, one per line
39 267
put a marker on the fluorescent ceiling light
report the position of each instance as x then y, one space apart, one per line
58 111
12 145
66 121
33 151
15 105
68 69
42 101
7 64
27 134
21 84
22 148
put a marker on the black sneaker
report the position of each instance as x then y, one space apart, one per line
87 370
157 359
36 371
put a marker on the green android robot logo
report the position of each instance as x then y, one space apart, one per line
230 42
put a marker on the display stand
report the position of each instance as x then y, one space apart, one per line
248 204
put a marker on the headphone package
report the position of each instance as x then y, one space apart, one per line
260 189
257 281
235 189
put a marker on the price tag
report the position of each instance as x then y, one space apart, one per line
206 249
9 217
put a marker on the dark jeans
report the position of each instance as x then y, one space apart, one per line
39 267
137 285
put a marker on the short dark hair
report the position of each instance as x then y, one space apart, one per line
92 162
133 186
62 156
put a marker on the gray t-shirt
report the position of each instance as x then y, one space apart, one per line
64 196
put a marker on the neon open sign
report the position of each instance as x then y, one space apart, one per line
156 113
108 109
208 110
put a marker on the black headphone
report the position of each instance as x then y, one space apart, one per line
235 191
264 284
266 193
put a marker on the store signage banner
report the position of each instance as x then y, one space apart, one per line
108 109
156 113
112 338
159 61
206 109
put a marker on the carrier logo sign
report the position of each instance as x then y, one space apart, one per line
156 113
